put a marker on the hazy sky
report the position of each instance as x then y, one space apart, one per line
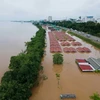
41 9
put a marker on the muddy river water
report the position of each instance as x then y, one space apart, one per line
72 79
12 38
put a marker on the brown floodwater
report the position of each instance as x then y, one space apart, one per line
72 79
12 38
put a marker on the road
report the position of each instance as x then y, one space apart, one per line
91 37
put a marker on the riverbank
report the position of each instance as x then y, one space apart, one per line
24 70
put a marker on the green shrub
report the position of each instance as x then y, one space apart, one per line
57 58
95 96
97 71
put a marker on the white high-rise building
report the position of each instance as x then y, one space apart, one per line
89 18
50 18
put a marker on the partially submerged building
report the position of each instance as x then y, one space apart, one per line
91 64
94 62
84 65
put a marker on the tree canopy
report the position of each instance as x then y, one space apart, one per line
57 58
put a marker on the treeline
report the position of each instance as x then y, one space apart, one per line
89 27
16 84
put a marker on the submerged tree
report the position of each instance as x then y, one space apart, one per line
57 58
58 77
95 96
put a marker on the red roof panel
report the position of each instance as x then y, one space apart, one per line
85 67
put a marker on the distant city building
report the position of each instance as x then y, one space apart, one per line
89 18
83 20
50 18
98 20
72 20
79 21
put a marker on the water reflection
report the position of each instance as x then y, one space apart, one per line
57 68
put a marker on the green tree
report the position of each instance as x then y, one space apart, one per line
57 58
95 96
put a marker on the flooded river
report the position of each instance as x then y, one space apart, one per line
12 38
72 79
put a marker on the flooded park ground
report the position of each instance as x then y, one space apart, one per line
72 79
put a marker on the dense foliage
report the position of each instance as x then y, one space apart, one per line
24 68
88 27
57 58
95 96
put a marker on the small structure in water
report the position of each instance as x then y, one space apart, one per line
63 96
84 65
91 64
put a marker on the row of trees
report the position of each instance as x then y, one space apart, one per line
88 27
24 70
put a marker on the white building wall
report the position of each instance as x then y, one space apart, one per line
89 18
50 18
